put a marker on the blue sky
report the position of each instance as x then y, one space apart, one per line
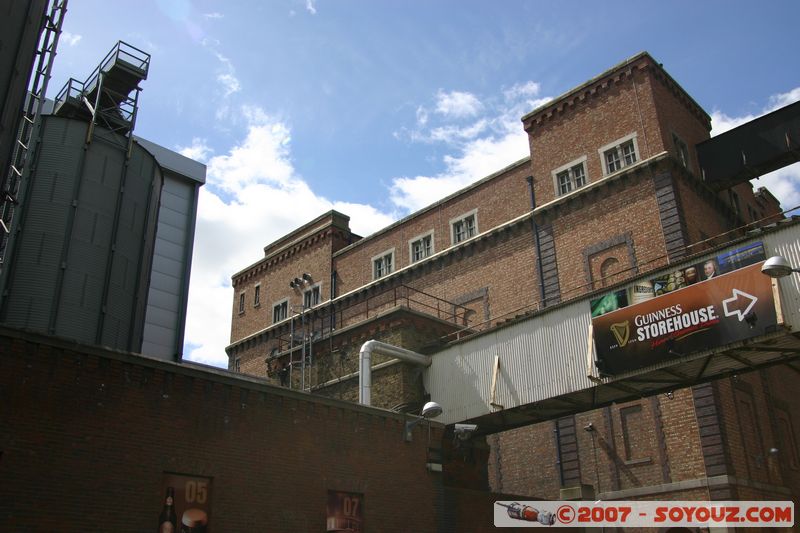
377 108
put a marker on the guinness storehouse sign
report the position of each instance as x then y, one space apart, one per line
723 309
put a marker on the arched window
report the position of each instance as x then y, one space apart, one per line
607 268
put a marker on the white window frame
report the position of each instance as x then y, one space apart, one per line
241 302
277 304
257 295
682 149
461 218
420 238
581 161
309 290
618 146
381 256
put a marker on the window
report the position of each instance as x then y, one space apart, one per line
682 149
752 213
311 297
570 177
735 201
619 154
257 296
606 268
237 364
636 437
383 264
464 227
787 444
241 303
280 311
420 247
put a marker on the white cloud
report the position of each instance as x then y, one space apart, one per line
522 90
422 116
311 7
229 83
70 39
783 183
198 150
477 159
226 75
457 104
450 133
479 149
784 99
253 196
214 15
720 122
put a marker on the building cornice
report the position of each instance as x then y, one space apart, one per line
582 94
321 228
412 216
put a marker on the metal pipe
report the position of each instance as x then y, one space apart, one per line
535 230
365 364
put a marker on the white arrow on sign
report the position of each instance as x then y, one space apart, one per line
732 300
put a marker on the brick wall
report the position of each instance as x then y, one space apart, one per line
633 445
678 116
622 223
581 125
274 280
86 435
758 416
497 200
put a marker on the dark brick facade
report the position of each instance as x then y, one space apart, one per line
86 435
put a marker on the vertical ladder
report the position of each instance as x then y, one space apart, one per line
306 340
30 123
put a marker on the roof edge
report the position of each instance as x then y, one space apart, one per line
436 204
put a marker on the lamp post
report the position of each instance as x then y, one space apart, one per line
778 267
429 410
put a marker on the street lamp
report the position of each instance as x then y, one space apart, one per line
777 267
429 410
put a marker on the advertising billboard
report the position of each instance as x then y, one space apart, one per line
187 504
722 309
345 511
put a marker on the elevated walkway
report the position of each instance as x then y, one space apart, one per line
753 149
547 365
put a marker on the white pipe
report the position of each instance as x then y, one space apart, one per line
365 364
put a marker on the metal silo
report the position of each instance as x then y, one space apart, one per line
100 223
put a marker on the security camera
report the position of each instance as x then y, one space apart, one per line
465 431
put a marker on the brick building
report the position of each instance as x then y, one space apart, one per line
612 189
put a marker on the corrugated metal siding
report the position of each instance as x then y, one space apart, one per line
787 244
539 358
91 178
38 248
546 355
130 250
89 246
163 316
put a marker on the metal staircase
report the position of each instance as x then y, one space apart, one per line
109 96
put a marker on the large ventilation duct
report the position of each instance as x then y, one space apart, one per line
365 364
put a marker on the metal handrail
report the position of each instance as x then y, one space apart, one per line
114 54
400 295
73 88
